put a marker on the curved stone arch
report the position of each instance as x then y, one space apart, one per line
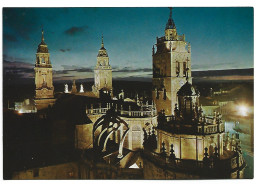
105 143
107 121
120 154
100 135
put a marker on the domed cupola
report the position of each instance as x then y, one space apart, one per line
187 90
42 47
188 98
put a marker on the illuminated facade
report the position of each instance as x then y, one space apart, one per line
171 67
102 73
44 92
166 137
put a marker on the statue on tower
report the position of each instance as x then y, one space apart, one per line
66 90
81 88
74 87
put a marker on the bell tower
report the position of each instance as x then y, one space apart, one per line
102 73
43 77
171 67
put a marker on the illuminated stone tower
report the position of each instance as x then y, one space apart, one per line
171 67
102 72
43 77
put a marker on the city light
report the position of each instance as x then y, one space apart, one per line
242 110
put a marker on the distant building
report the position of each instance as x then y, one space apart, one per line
27 106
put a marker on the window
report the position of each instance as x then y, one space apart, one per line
43 60
164 94
157 94
184 69
177 68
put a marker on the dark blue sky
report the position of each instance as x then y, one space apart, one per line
221 38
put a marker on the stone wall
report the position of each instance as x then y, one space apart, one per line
60 171
84 137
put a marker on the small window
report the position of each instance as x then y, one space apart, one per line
164 94
43 60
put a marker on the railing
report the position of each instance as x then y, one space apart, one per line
227 164
209 129
176 164
141 113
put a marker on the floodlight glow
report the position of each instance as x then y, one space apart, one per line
242 110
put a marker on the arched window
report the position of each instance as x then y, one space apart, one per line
43 60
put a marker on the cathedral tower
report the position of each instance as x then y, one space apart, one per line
43 77
102 73
171 67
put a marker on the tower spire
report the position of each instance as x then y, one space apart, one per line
170 24
170 12
102 44
42 35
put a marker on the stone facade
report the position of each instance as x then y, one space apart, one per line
83 136
190 146
171 67
43 77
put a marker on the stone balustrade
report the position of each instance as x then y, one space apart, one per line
212 128
149 111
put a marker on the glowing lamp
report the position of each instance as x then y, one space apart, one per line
242 110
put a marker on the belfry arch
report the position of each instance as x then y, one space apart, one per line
109 123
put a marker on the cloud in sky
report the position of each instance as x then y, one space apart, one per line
65 50
129 34
216 66
73 31
129 70
10 37
22 70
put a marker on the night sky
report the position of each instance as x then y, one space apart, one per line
221 38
